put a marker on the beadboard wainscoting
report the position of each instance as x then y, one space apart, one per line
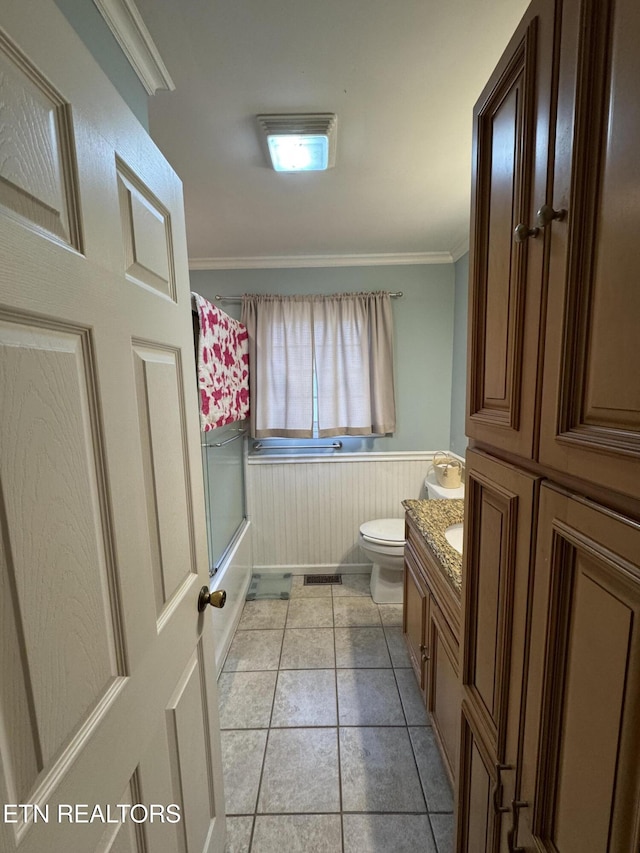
306 511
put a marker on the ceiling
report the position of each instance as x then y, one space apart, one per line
402 77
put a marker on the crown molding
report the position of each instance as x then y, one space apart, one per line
460 249
126 24
289 261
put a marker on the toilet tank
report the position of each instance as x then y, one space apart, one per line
435 490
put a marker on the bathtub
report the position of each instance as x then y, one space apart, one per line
234 576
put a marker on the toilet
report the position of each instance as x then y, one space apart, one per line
435 490
382 541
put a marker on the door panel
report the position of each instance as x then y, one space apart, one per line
509 174
590 424
584 682
37 168
188 725
160 399
102 534
498 519
146 232
415 617
443 699
66 654
478 820
499 516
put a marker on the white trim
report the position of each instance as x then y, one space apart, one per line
225 622
125 22
290 261
274 458
460 249
325 569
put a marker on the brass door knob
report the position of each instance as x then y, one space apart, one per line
547 214
215 599
522 232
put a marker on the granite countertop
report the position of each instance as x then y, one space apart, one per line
432 518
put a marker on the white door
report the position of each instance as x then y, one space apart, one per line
108 694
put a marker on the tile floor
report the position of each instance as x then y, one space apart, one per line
326 744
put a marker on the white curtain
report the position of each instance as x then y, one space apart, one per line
346 340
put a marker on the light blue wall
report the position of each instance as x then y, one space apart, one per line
423 325
101 43
458 441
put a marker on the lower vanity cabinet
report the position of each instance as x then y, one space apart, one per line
416 618
431 625
443 694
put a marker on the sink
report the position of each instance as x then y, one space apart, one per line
454 536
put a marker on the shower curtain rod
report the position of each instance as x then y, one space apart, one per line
220 298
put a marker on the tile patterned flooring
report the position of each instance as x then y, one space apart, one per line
326 744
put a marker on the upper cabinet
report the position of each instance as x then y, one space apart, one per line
510 174
590 425
555 302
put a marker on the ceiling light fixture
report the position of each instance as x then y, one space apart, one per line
303 142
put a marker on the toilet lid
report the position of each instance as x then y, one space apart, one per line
384 530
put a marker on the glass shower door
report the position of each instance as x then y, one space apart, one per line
223 459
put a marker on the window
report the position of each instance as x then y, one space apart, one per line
322 359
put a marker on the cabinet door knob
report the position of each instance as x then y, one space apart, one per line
497 791
547 214
516 805
522 232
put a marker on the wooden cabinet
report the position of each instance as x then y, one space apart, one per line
416 618
431 626
590 425
554 373
443 693
509 172
500 502
580 785
550 734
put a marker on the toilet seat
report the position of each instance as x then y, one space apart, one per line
384 531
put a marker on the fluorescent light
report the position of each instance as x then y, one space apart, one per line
294 153
299 143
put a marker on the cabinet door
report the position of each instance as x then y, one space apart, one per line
443 689
479 810
498 540
510 152
581 776
415 616
591 402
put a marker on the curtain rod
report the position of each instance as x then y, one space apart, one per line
220 298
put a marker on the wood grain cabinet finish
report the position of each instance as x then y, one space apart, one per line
499 516
431 626
581 775
510 147
443 693
550 733
590 425
415 618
